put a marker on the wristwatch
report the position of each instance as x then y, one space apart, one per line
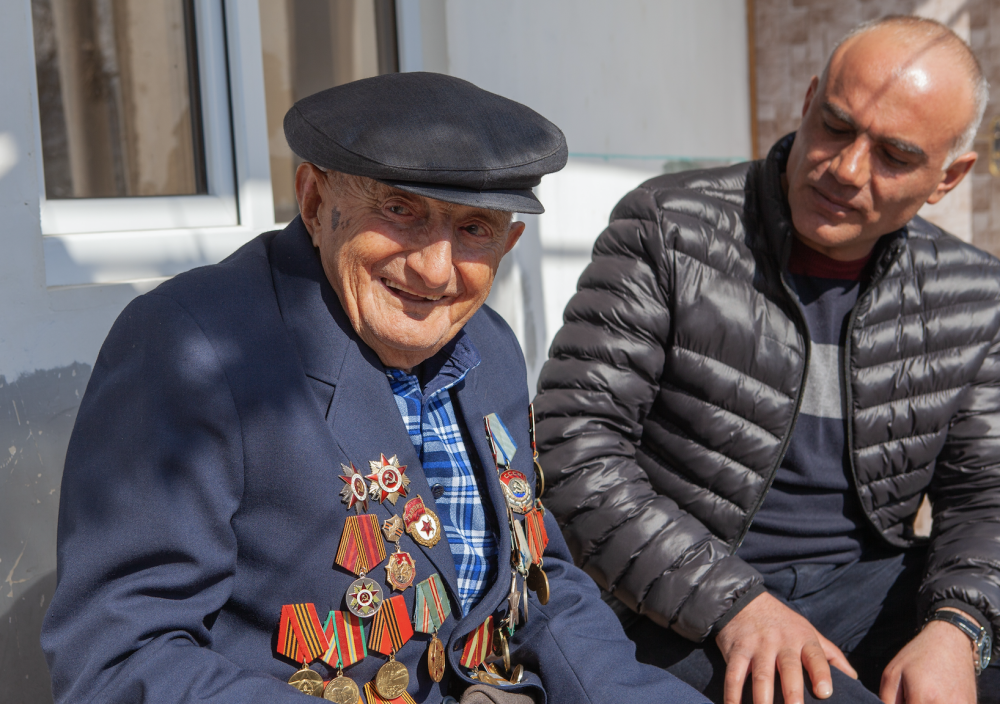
980 637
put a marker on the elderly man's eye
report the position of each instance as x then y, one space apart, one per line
477 230
399 210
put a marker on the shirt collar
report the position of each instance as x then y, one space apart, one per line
449 366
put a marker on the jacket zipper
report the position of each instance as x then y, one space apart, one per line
848 397
795 415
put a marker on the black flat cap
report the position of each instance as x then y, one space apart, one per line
430 134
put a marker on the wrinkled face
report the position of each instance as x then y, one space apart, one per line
409 271
873 142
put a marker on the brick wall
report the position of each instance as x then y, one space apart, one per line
793 39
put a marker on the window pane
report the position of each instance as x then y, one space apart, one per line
310 45
118 98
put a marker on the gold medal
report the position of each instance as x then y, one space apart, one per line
500 647
400 571
364 597
538 582
517 674
392 679
435 658
307 681
341 690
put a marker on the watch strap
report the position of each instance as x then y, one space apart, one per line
978 634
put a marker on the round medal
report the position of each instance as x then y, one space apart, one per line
539 480
307 681
342 690
391 679
517 674
400 571
364 597
538 582
435 659
515 489
500 648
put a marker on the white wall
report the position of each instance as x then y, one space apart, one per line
632 83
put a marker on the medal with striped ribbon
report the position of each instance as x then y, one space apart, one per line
391 627
362 548
430 609
300 635
346 635
477 645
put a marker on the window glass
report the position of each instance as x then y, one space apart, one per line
118 98
311 45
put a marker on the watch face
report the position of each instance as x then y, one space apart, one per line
985 651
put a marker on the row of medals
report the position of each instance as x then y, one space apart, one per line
364 595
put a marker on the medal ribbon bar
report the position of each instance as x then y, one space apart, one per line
361 545
538 537
300 635
431 607
478 644
346 634
372 697
391 627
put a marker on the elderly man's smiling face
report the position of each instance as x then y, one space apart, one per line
875 138
409 271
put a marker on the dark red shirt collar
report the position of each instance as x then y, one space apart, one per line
805 261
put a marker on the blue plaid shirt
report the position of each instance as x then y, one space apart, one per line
430 420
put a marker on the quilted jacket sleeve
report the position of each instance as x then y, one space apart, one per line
965 493
595 391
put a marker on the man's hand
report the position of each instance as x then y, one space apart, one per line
765 634
936 666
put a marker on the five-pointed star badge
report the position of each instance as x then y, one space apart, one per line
388 480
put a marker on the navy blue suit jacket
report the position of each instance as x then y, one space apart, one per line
201 493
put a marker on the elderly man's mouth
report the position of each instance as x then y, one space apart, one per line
407 295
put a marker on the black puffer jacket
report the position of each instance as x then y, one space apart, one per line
673 388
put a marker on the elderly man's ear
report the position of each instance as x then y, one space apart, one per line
513 235
309 181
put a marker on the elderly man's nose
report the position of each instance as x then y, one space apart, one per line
851 166
432 262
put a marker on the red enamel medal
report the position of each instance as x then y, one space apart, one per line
355 494
388 480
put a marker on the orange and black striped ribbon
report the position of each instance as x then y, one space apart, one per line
478 644
391 627
371 694
361 544
538 537
300 635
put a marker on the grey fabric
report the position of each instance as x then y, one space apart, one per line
430 134
481 694
672 390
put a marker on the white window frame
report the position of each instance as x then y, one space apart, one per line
112 240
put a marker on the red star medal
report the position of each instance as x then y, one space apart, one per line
422 524
388 480
356 491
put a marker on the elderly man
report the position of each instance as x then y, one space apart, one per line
767 367
256 432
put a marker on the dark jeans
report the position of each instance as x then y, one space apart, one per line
867 609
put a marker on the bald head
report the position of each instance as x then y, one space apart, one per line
913 48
